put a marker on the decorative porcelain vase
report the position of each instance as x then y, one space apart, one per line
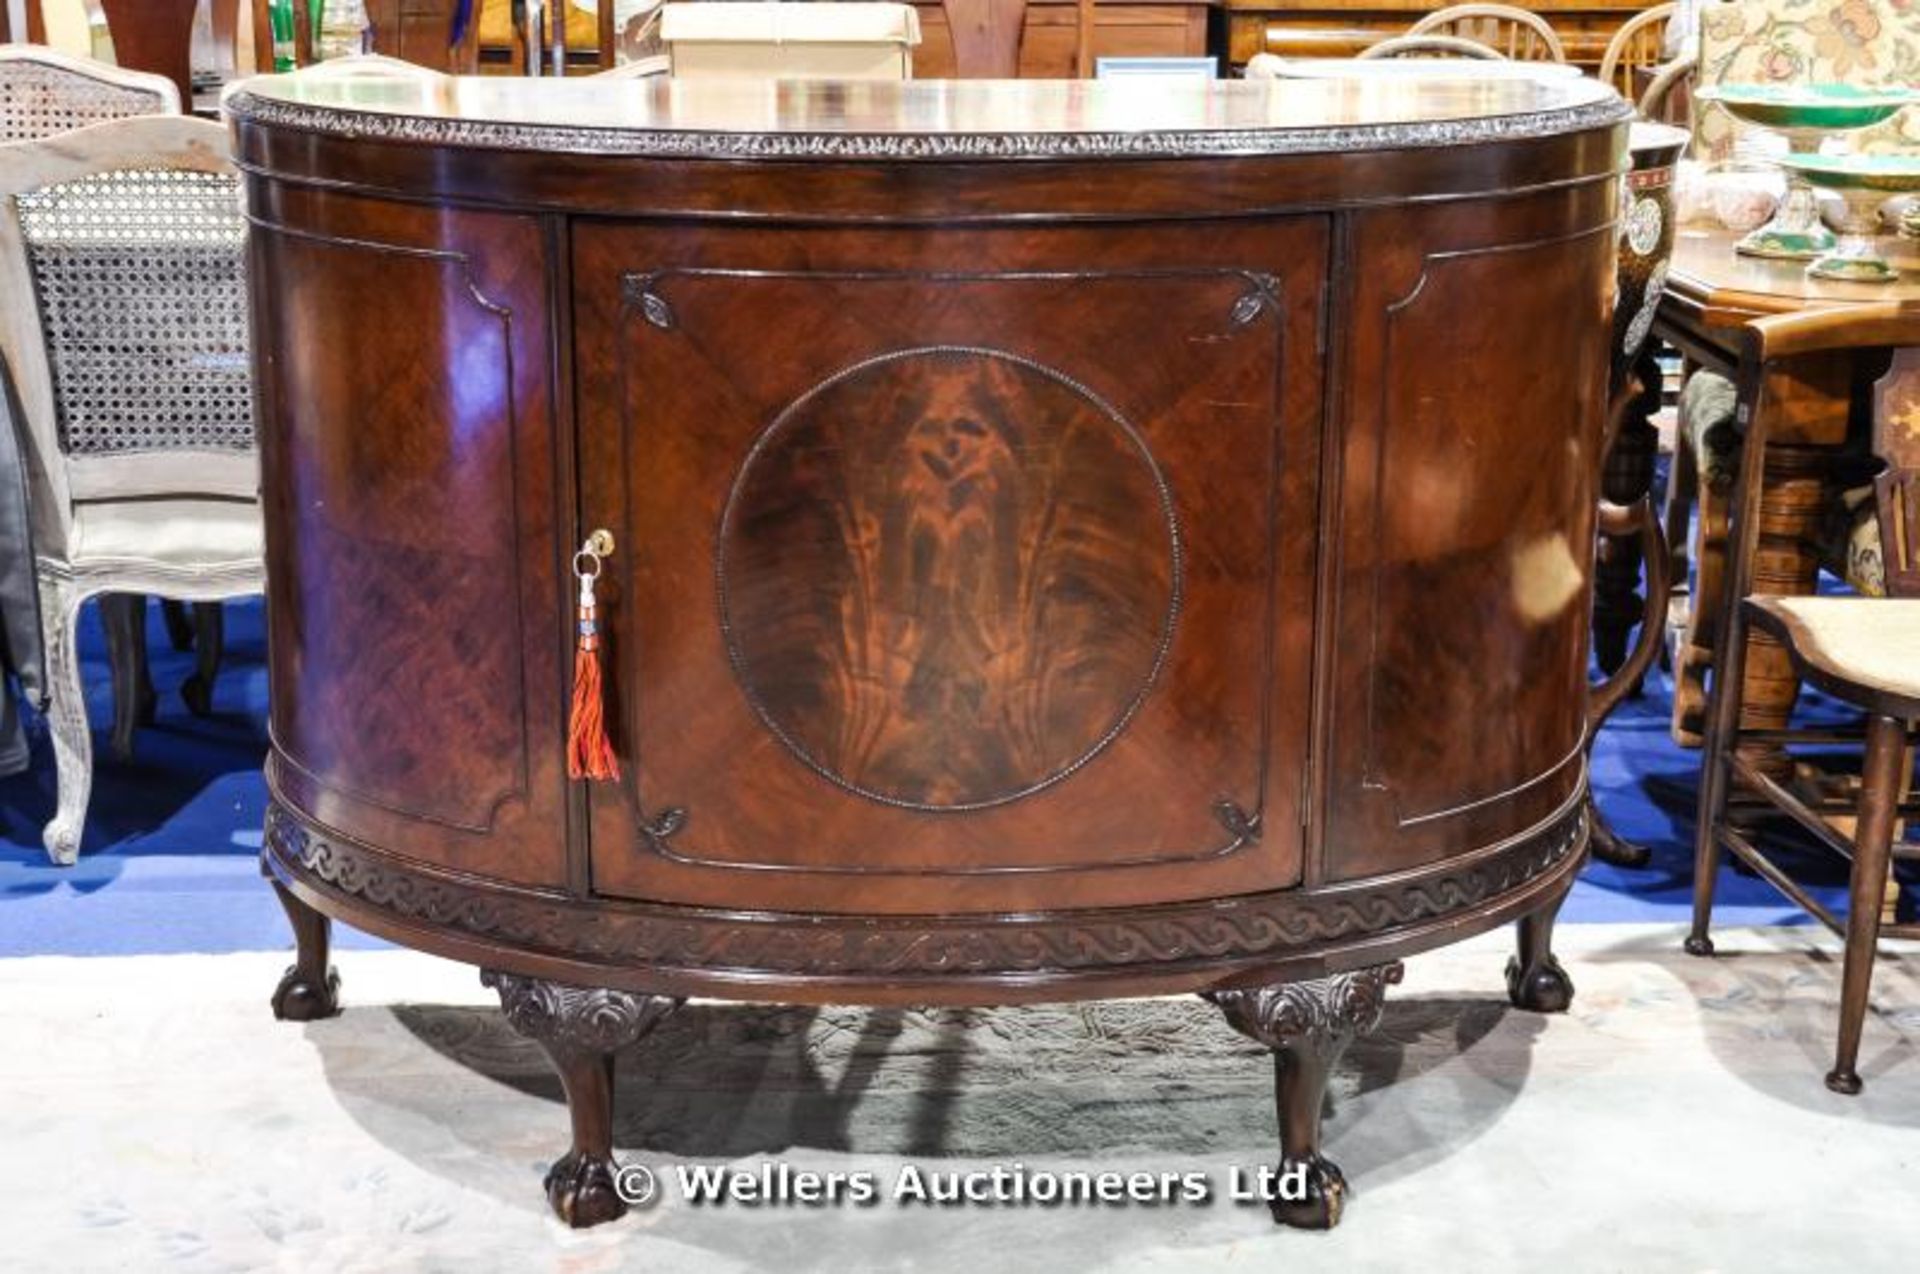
1646 237
1865 182
1803 114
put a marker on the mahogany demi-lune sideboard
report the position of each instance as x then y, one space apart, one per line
1053 540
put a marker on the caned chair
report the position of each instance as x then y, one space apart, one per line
123 324
1863 650
43 92
1513 33
1639 44
1430 46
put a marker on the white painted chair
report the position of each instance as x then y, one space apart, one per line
123 321
43 92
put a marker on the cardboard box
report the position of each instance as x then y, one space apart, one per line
793 41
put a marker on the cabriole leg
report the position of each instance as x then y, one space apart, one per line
310 988
66 717
1535 980
580 1029
1308 1025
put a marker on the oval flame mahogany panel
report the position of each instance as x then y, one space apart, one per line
948 577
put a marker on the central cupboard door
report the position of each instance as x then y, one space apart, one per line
957 570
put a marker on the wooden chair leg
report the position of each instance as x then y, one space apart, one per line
124 616
1879 797
1729 685
209 642
179 626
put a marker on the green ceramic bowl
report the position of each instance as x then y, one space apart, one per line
1809 106
1892 174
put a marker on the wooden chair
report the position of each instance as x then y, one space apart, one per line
44 93
1753 41
1664 99
1858 649
1639 43
1513 33
1430 46
123 324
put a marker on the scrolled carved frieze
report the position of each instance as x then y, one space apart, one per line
701 941
593 1019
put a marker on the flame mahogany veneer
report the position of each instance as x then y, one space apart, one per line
1073 539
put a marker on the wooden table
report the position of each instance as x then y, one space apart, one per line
1711 293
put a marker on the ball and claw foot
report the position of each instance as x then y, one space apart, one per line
1325 1198
1699 944
581 1189
299 999
1543 987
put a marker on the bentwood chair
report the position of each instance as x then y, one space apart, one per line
1639 44
123 322
1510 32
1430 46
1863 650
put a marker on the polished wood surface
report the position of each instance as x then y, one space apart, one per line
1072 539
1040 574
1712 288
989 666
1108 539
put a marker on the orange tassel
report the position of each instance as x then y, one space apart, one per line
589 751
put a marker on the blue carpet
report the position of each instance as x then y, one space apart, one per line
168 863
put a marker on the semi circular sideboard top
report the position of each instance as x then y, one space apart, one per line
1072 538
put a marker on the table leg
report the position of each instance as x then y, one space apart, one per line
1786 564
